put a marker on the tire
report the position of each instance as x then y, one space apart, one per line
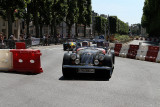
103 74
67 72
113 56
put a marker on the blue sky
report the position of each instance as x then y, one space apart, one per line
126 10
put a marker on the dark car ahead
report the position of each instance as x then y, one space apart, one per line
88 59
69 45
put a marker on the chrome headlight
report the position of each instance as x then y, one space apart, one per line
96 62
101 57
77 61
73 56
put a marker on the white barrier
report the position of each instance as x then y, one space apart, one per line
111 45
35 41
124 51
141 53
5 59
158 57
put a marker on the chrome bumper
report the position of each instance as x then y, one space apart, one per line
87 67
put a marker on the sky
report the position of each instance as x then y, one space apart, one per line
126 10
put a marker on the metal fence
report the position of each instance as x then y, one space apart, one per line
10 44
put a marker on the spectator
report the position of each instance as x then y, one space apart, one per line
21 37
11 37
2 39
45 40
0 36
28 36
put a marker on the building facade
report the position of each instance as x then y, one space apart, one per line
16 27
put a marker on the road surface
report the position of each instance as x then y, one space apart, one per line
134 83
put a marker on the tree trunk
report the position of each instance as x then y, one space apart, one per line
9 24
76 30
55 30
41 27
51 29
27 22
69 31
36 23
84 30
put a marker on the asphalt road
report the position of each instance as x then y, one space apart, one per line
134 83
136 42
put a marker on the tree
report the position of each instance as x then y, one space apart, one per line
113 24
150 18
27 16
8 10
100 24
88 15
58 12
71 14
84 14
35 5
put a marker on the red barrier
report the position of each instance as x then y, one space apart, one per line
117 49
152 53
26 61
20 45
132 52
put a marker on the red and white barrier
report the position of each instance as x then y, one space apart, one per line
117 49
152 53
132 52
20 60
158 57
145 53
124 51
141 53
111 45
6 62
148 39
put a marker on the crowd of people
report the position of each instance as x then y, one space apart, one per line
2 38
10 40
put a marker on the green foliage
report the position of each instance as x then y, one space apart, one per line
113 24
151 17
71 16
122 28
98 24
9 9
122 38
47 12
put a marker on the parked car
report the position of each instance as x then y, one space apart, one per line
88 59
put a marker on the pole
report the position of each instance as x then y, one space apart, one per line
108 29
105 36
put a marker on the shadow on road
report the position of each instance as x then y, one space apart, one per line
83 77
21 73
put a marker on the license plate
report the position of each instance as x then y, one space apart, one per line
86 70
